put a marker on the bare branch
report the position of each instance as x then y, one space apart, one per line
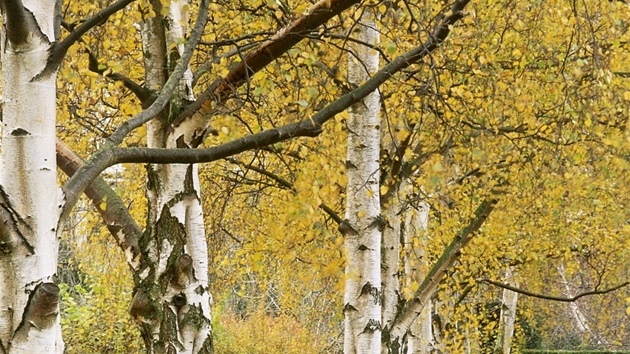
60 49
143 94
279 180
553 298
288 185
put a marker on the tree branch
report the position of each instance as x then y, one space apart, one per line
19 21
288 185
412 309
60 49
311 127
112 209
103 157
277 45
279 180
142 93
553 298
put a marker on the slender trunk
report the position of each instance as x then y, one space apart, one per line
420 337
406 225
507 317
580 320
390 274
29 297
172 301
362 298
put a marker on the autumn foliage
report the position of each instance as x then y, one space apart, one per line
522 105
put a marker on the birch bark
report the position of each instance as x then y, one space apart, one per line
420 337
29 297
362 298
404 242
172 301
580 320
507 318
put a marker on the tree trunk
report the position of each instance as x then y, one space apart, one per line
416 266
507 317
406 223
580 320
172 300
363 224
390 274
29 198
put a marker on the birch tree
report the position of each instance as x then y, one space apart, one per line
29 310
363 225
507 316
181 321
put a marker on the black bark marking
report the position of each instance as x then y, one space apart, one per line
20 132
372 326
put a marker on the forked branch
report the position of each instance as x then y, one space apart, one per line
310 127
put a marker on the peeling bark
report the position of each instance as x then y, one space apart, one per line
172 301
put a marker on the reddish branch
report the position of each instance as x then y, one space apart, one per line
109 205
277 45
310 127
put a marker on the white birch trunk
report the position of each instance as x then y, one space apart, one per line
29 298
507 317
420 337
580 320
390 274
174 202
408 226
362 298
